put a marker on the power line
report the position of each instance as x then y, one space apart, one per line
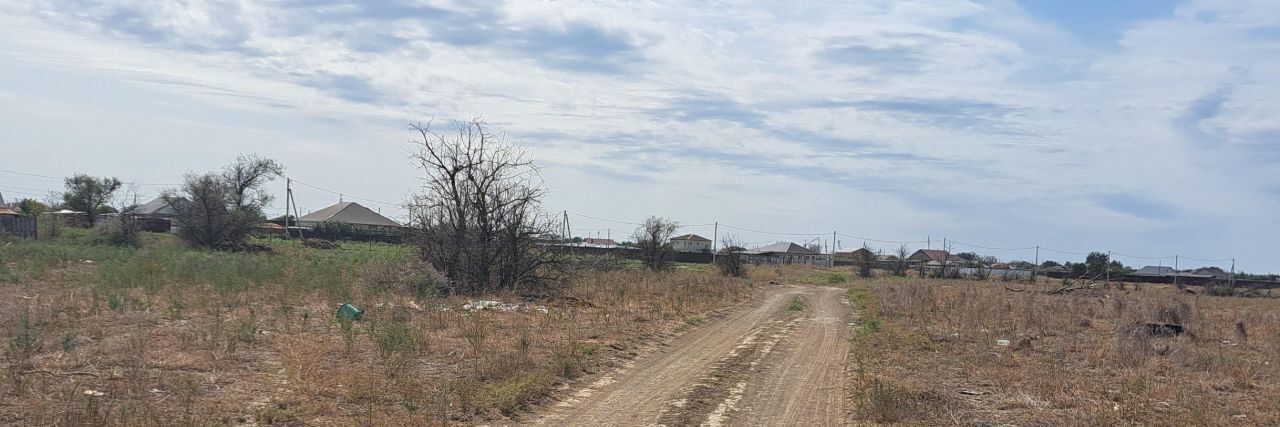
1143 257
1063 252
604 219
991 248
31 174
879 240
62 178
1206 260
343 194
26 188
771 232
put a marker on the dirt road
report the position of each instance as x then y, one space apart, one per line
765 364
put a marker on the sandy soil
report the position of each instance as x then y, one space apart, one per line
764 364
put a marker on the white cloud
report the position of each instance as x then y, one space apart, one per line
893 118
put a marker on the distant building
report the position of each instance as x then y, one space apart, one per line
691 243
157 215
352 216
1214 272
934 257
1154 271
156 207
7 212
886 257
599 243
785 253
857 255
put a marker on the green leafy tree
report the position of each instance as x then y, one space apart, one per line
1096 263
32 207
88 194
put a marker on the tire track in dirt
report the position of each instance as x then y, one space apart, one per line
716 374
802 380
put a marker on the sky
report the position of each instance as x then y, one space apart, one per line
1146 128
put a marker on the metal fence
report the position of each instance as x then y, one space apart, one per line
21 226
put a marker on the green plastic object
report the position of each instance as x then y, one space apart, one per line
348 311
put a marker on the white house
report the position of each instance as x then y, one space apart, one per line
691 243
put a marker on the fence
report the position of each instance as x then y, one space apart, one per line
340 234
20 226
633 253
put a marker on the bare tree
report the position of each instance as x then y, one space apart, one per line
220 210
729 260
245 177
900 269
478 217
653 238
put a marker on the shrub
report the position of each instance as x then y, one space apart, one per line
653 238
221 210
729 261
118 231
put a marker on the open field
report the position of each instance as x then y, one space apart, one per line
927 352
164 335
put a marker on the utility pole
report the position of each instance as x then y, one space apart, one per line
833 249
1232 280
1107 267
1035 269
288 195
567 229
715 240
946 256
1175 271
295 213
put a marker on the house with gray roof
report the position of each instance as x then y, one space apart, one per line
352 216
785 253
157 207
1154 271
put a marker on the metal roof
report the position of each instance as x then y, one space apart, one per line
348 213
157 206
785 248
693 237
1152 270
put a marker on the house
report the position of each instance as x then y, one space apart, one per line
857 255
350 216
1154 271
691 243
1214 272
599 243
886 257
1054 269
68 218
157 207
785 253
934 257
157 215
7 212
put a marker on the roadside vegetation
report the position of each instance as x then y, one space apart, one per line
938 351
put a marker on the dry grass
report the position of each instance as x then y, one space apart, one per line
926 352
260 343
